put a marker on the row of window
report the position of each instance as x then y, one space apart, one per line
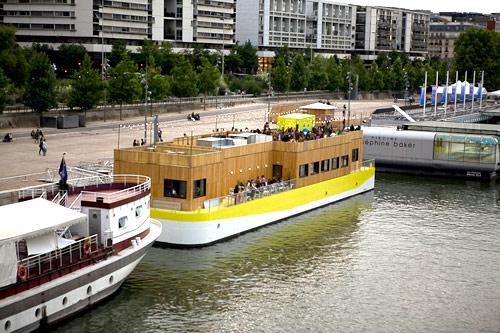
178 188
122 17
36 2
36 26
39 13
336 162
120 4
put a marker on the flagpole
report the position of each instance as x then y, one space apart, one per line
473 86
481 96
425 92
446 93
436 101
456 88
465 80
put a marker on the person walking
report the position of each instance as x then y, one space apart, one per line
40 146
44 147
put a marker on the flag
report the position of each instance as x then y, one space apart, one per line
463 92
479 91
453 93
443 95
434 95
471 93
63 172
422 96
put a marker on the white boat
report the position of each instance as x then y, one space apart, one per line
61 253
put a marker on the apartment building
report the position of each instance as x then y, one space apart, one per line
444 35
189 22
97 23
322 25
93 23
381 29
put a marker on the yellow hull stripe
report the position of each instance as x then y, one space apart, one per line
273 203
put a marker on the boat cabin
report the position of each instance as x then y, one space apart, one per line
195 172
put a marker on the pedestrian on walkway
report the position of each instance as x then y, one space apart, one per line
44 147
40 146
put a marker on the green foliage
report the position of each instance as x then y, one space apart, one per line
118 53
4 84
125 86
248 55
167 58
242 59
208 77
159 85
280 76
86 87
376 77
298 73
318 78
69 59
479 50
185 79
12 59
284 53
334 74
40 92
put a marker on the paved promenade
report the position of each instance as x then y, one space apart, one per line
99 139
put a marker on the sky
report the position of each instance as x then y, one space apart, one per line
478 6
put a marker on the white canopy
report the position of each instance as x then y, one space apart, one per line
318 106
458 91
31 218
495 93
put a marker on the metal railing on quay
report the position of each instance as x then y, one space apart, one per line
59 258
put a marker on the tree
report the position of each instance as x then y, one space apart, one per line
118 53
208 78
233 62
280 77
124 86
298 73
69 59
167 59
376 77
158 85
184 79
86 87
4 83
334 74
40 90
479 50
318 78
248 55
12 59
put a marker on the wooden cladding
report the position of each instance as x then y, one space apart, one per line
224 168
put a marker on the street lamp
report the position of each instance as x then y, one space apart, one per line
223 46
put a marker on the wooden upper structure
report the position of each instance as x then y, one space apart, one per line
219 169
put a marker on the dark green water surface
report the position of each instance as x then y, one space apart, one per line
415 255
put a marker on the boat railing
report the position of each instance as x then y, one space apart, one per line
77 203
274 188
143 184
44 263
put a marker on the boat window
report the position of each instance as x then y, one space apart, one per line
335 163
122 222
441 146
472 149
138 211
314 168
325 165
199 188
488 149
345 160
355 154
304 170
174 188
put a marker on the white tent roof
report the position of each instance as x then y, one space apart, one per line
319 106
495 93
35 217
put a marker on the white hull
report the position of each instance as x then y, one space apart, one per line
94 283
199 233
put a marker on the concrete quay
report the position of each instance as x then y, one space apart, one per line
97 140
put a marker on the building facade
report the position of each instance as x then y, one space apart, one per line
443 37
321 25
95 24
381 29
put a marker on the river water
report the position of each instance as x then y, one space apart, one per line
414 255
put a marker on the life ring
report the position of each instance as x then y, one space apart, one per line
87 247
22 272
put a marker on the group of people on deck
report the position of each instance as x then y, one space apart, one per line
252 187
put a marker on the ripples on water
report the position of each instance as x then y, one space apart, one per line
416 254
